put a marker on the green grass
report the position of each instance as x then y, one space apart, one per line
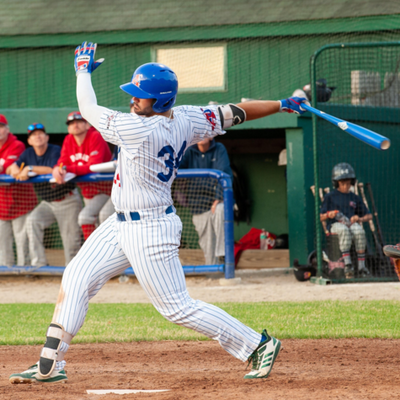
27 323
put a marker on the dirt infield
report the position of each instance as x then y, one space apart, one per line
305 369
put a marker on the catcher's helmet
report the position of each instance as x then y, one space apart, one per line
343 171
154 81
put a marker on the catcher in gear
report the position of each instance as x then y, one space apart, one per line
345 213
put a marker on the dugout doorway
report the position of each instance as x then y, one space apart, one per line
254 154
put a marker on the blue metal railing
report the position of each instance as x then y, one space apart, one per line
224 180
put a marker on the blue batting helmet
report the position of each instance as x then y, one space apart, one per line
154 81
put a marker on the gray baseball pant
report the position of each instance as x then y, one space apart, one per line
106 211
347 235
65 213
89 214
211 230
10 230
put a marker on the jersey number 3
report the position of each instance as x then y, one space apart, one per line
171 162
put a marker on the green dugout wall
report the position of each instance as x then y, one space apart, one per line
38 78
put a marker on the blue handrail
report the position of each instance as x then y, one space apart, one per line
108 176
223 179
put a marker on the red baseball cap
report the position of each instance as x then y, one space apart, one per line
3 120
74 115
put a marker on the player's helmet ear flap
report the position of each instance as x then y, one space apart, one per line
343 171
154 81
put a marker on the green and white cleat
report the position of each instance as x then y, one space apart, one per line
32 375
263 357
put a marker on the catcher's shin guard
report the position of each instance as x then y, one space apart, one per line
50 353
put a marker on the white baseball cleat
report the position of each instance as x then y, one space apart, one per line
263 357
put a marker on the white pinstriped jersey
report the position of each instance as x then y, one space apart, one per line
151 150
148 160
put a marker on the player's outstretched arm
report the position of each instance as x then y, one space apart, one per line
256 109
235 114
85 64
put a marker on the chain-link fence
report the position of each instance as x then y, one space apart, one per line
356 189
219 54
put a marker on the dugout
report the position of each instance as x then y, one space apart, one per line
258 50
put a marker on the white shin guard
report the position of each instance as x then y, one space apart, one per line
51 353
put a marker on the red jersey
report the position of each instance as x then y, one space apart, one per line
16 199
78 159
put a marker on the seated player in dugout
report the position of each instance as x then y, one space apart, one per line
345 213
60 203
16 202
83 147
207 205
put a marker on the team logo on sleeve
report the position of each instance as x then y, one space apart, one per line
137 79
211 118
353 204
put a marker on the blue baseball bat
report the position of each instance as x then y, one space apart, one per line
365 135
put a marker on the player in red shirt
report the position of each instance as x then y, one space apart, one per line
16 202
82 148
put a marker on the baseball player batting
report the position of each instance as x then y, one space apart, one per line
145 231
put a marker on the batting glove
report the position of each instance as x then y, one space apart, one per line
84 58
293 105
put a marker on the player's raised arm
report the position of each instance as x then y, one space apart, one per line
235 114
85 64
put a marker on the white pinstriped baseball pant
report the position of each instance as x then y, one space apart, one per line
151 247
348 234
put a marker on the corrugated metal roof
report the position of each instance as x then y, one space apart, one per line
19 17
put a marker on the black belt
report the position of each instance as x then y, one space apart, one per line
135 216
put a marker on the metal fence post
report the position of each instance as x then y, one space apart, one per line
318 243
228 217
